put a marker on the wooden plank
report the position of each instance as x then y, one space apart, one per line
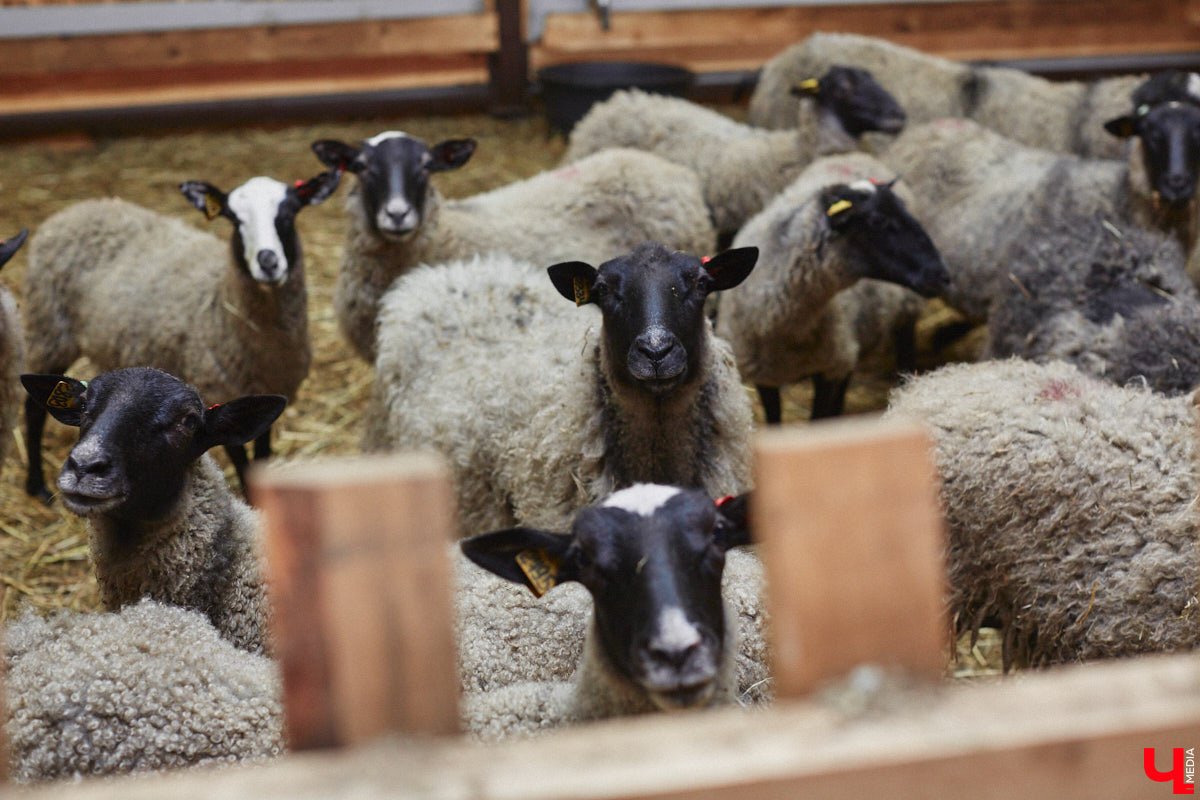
852 539
360 587
1065 734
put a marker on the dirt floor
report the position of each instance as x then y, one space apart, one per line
43 551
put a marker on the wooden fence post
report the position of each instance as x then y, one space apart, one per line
358 569
852 540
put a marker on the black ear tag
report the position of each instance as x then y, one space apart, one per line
540 568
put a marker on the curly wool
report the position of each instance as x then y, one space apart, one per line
740 168
507 636
203 556
1063 116
485 362
598 208
151 687
12 364
1070 505
804 310
90 292
1115 303
982 197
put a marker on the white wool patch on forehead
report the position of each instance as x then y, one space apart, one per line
256 205
383 137
1193 85
863 186
641 498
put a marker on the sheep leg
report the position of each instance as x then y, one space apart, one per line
906 348
772 407
35 423
237 454
829 396
262 446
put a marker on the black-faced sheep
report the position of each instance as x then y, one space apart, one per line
126 286
147 688
1070 504
12 349
162 522
542 409
842 265
606 205
741 168
661 636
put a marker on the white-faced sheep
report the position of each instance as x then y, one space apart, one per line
661 636
541 412
982 196
606 205
1116 303
1063 116
128 287
162 522
12 349
741 168
1070 504
150 687
837 250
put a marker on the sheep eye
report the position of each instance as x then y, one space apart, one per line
190 422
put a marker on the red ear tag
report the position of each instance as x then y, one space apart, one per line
705 259
214 406
722 501
298 183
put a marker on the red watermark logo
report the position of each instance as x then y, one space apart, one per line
1182 774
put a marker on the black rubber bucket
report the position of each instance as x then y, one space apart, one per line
570 89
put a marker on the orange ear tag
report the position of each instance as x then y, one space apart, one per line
61 397
540 568
212 207
582 292
838 207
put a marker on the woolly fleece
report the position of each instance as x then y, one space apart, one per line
597 208
1070 506
151 687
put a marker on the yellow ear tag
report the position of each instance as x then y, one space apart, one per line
61 397
582 292
838 207
809 85
540 568
212 207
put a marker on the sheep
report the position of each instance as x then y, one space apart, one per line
12 349
661 636
840 268
983 196
1070 506
162 522
507 636
150 687
1115 303
741 168
1063 116
605 205
128 287
540 412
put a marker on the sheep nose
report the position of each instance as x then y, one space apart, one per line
674 656
94 464
269 262
655 345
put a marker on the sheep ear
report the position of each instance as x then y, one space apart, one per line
58 394
239 421
339 155
316 190
450 154
533 558
10 246
729 268
1122 127
807 88
733 521
205 197
574 280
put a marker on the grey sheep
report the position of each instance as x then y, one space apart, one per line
12 350
126 286
1070 506
982 196
542 409
1063 116
842 267
150 687
398 220
741 168
1116 303
661 636
162 522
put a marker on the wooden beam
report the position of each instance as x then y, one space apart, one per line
1065 734
852 539
360 588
